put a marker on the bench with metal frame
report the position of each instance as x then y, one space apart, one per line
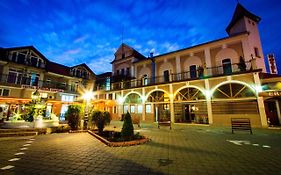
241 124
164 123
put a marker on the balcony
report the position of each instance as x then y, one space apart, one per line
200 73
27 82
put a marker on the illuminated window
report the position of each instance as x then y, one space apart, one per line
43 95
67 98
139 108
132 109
148 108
107 84
125 108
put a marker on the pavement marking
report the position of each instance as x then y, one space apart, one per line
7 167
14 159
20 153
266 146
239 142
24 148
29 142
26 144
255 144
31 139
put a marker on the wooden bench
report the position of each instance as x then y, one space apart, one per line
241 124
164 123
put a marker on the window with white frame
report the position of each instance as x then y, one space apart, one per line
139 108
4 92
148 108
67 98
132 108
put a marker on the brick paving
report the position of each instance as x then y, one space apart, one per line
183 150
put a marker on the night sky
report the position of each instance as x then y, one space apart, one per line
71 32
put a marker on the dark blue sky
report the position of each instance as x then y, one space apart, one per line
74 31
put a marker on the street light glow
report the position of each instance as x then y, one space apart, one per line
88 95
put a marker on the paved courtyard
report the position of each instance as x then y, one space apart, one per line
183 150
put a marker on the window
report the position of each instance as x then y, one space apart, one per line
226 65
43 95
148 108
128 71
166 76
107 84
257 53
14 76
4 92
14 56
34 61
145 81
193 72
67 98
34 79
122 71
123 55
132 109
117 72
125 109
139 108
114 109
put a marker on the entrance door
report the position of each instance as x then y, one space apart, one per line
166 76
226 65
189 113
271 113
162 112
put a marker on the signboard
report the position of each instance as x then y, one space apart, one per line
270 94
272 64
41 88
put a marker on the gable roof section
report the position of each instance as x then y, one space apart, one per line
85 66
135 53
239 13
30 48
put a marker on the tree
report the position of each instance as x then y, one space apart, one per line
73 115
127 131
100 119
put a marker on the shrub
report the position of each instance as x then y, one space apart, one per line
127 131
73 115
100 119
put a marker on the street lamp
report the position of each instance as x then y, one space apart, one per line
87 96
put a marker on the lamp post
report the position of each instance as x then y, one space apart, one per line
87 96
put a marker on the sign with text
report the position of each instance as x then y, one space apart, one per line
270 94
272 64
41 88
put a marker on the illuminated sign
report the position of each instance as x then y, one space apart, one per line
272 64
270 94
41 88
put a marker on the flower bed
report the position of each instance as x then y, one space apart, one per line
113 139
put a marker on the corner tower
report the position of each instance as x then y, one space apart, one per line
245 21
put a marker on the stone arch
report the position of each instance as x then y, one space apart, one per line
192 60
132 92
199 93
241 87
226 53
165 66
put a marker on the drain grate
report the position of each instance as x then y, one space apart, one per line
164 162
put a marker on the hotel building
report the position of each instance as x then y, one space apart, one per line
209 83
25 69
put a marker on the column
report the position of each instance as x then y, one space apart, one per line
260 101
209 102
208 62
172 103
143 104
178 66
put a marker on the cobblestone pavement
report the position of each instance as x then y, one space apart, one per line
183 150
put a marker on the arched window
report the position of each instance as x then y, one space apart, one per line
158 96
233 90
145 80
189 94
